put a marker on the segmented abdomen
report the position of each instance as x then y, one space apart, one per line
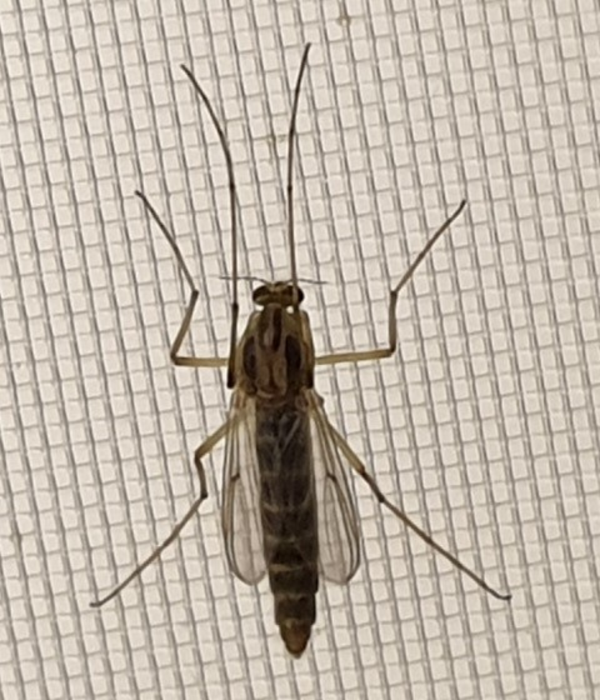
289 519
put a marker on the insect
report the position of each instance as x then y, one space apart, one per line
287 508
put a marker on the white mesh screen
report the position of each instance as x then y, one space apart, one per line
484 425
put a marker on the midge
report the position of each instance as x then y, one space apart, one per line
287 509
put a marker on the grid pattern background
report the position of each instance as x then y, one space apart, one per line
484 426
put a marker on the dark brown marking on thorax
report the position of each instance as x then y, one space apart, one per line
276 360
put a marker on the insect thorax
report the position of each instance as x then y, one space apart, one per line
275 358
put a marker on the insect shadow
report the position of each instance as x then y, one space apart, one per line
287 508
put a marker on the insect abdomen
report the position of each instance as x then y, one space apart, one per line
289 519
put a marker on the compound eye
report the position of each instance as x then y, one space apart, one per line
258 295
290 291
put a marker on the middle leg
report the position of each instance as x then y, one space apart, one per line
176 358
381 353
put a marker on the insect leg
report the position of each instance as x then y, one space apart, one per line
203 450
359 467
176 358
381 353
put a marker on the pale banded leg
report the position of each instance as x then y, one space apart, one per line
381 353
359 467
176 358
203 450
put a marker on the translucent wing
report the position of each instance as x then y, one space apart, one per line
339 539
241 522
